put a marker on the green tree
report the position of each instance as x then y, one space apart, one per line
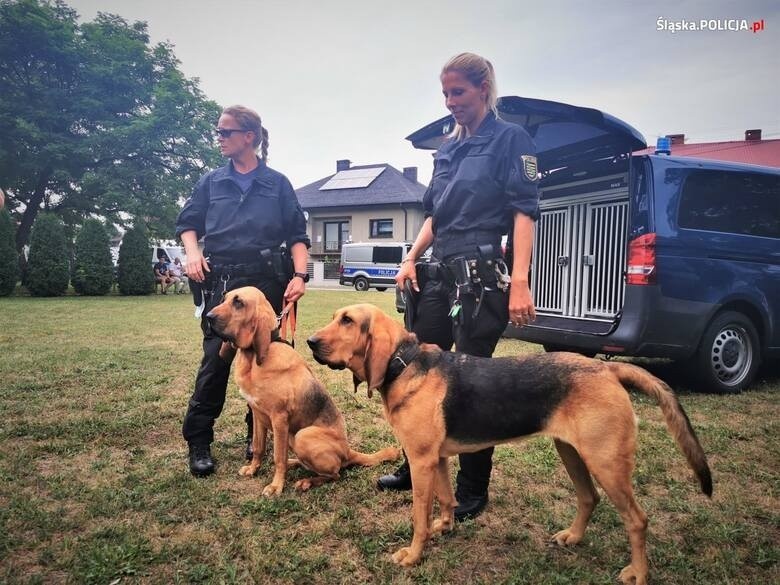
95 121
135 266
92 267
9 259
47 266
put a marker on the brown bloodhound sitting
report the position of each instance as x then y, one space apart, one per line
443 403
284 396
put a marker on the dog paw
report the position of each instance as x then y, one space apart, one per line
248 470
630 576
439 526
272 490
404 557
566 538
303 485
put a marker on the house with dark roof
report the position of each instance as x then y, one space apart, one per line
368 203
753 150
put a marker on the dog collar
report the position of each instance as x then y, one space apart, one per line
400 360
275 336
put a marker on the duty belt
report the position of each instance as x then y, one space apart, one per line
265 267
472 274
271 262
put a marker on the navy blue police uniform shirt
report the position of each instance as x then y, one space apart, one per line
479 183
235 223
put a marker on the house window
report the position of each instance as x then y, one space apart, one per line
381 228
336 233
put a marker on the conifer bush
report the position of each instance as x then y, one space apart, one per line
9 259
135 267
47 265
92 268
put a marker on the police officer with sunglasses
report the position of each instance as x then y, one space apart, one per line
244 212
484 185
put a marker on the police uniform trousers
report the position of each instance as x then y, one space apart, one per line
475 336
212 379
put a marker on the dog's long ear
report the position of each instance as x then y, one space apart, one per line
265 323
379 348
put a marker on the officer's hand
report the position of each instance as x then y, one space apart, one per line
296 288
196 266
521 305
407 271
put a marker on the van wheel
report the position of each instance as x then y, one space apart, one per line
728 356
361 284
381 288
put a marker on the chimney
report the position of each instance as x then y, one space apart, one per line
411 173
342 165
677 138
753 135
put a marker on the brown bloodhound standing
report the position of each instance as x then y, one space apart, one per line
443 403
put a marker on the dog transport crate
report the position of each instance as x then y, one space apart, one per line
579 251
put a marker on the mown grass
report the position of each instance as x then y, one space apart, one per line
94 486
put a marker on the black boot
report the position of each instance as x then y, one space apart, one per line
249 424
471 503
400 480
201 463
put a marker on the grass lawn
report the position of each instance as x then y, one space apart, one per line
94 486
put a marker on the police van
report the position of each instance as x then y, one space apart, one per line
647 255
367 265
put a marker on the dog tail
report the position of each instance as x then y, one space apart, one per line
676 419
386 454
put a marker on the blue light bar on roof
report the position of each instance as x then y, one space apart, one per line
663 145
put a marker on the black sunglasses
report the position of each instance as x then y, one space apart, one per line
228 132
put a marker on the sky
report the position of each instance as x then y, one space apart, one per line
350 79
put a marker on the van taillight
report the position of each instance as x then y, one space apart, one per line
641 260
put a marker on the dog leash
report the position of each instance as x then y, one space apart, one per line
288 317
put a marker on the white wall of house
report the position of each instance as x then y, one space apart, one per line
405 225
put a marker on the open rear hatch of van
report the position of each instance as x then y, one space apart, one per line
579 257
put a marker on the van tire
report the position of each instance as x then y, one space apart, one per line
381 288
361 284
729 354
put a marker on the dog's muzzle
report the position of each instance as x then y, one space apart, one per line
216 328
318 352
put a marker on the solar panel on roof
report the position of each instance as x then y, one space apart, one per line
352 179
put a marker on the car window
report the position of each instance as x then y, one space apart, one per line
388 254
731 202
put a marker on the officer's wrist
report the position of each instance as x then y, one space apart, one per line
408 259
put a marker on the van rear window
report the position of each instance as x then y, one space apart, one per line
731 202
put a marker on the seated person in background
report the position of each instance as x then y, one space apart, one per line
162 275
176 272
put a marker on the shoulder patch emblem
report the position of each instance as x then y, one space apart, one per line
529 167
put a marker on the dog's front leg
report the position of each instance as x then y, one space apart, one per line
423 476
259 434
279 425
